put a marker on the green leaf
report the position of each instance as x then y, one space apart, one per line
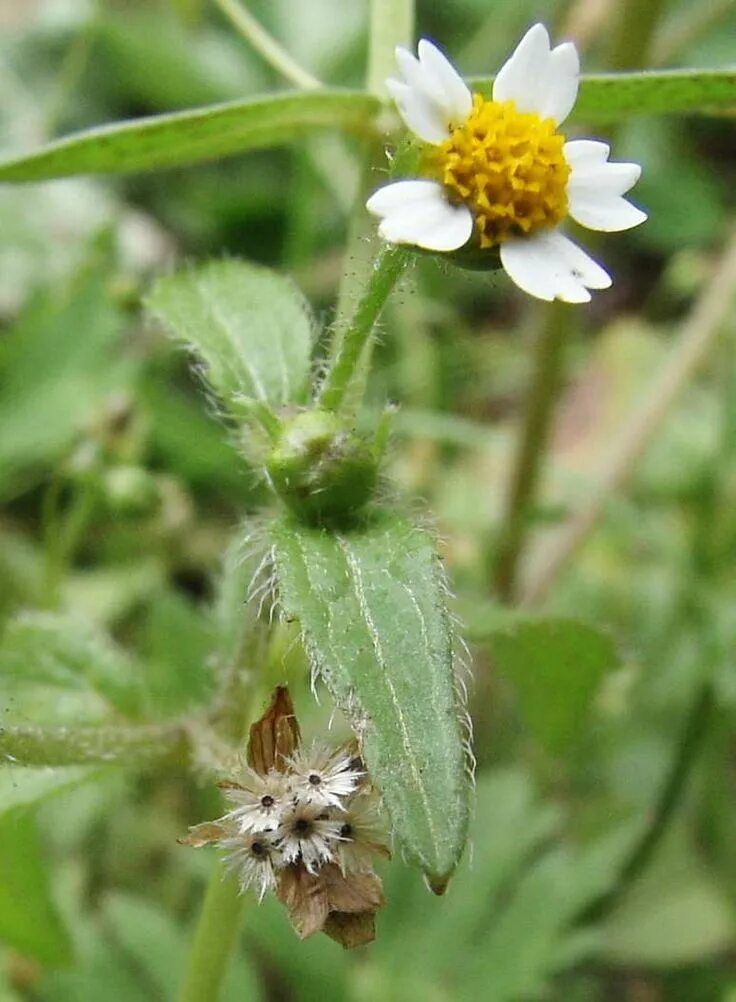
251 327
67 652
371 603
24 786
610 97
29 920
190 137
556 666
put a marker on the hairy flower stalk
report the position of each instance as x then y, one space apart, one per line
305 824
498 177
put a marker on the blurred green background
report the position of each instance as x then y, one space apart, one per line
120 490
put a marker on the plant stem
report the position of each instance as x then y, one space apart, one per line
387 268
391 24
30 745
267 46
695 728
699 332
530 451
214 939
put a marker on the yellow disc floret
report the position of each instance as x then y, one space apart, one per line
508 167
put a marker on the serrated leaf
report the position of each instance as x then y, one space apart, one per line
609 97
29 920
371 603
556 666
251 327
193 136
67 652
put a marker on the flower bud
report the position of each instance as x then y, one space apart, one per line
322 471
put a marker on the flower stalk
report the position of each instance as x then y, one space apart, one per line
387 269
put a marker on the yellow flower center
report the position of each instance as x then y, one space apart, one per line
508 167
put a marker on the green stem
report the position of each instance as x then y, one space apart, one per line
530 450
388 267
696 726
636 23
391 24
31 745
267 46
214 939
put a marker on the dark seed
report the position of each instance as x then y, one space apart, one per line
346 831
315 779
267 800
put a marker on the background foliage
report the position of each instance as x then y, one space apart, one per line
121 490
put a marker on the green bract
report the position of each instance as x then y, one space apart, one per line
321 470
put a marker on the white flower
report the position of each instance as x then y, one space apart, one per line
498 172
322 776
307 834
258 800
253 857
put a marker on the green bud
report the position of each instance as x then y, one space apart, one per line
322 471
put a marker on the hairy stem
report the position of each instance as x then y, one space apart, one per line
694 730
30 745
699 332
214 938
387 268
530 450
266 45
391 24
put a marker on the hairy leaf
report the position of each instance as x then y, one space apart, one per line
190 137
609 97
556 666
251 327
372 607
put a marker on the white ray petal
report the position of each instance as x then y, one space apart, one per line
458 101
518 77
592 173
418 213
549 266
586 152
416 76
558 87
603 211
422 115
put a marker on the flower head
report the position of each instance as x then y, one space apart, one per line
323 776
497 174
254 857
306 833
257 799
